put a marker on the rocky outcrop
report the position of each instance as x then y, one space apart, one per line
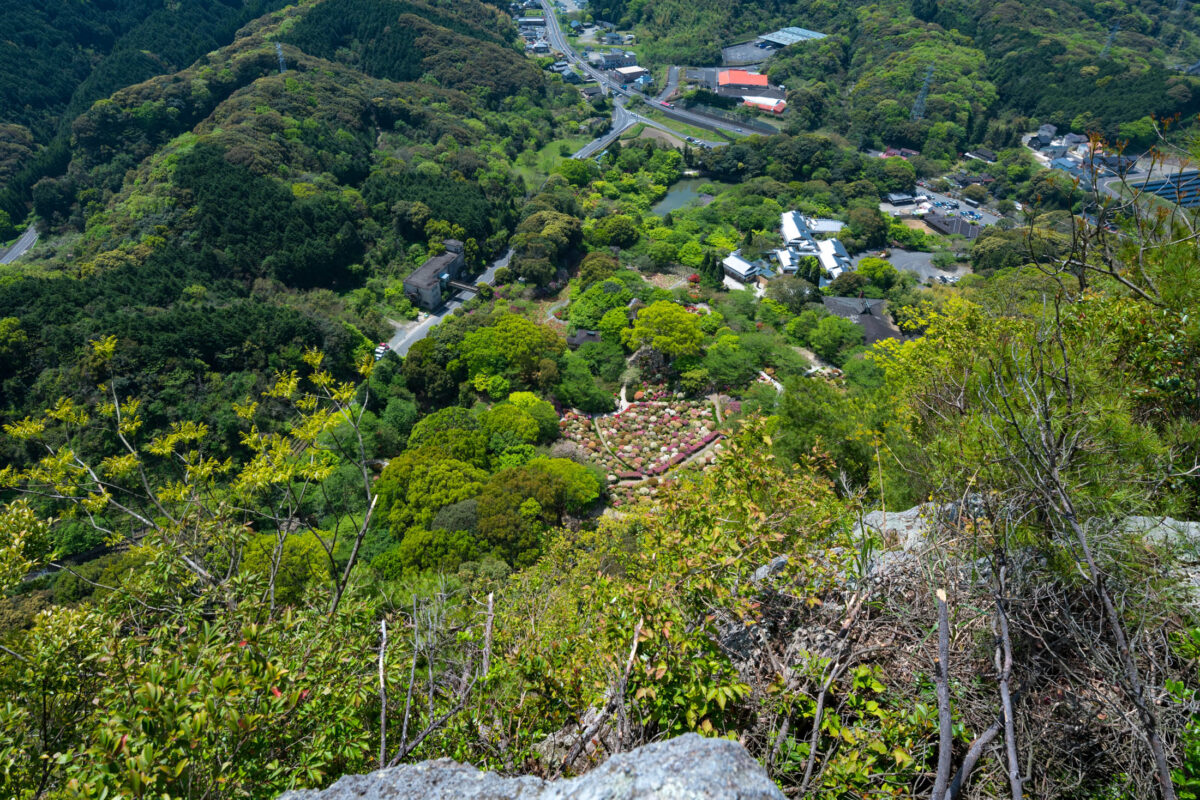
687 768
1166 531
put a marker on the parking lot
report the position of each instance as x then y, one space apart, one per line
985 217
745 54
920 263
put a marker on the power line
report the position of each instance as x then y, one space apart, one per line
918 109
1112 34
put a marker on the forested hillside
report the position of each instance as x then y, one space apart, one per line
58 57
232 187
996 65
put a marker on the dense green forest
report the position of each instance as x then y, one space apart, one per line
59 57
242 550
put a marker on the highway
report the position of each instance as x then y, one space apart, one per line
558 41
27 240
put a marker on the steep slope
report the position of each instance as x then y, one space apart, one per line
230 185
57 57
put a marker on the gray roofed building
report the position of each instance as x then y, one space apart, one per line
948 226
826 225
424 286
739 268
786 36
870 315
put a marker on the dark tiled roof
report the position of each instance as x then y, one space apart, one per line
582 337
868 314
953 225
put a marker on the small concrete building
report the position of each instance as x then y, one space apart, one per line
612 59
631 74
425 286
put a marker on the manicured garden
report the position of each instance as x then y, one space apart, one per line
647 438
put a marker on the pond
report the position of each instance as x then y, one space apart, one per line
679 195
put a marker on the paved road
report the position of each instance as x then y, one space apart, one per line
558 40
408 334
672 84
18 249
623 120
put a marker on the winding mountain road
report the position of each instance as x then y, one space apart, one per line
27 240
622 122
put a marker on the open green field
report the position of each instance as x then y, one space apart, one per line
685 128
535 167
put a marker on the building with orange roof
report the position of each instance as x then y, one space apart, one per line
740 79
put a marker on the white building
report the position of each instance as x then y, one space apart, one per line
799 238
834 259
794 228
739 268
630 74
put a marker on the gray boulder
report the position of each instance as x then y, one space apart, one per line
687 768
909 531
1166 531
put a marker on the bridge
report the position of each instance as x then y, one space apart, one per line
463 287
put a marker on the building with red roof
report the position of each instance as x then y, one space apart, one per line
740 79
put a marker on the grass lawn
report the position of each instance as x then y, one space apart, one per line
685 128
634 132
542 163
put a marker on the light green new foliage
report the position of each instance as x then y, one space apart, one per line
24 541
666 327
299 566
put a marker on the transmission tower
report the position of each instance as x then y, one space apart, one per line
918 109
1112 34
282 63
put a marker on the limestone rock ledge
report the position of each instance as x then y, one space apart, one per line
686 768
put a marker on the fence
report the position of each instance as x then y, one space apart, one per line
736 119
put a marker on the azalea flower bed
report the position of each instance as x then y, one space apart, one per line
647 439
576 427
625 494
648 393
652 437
